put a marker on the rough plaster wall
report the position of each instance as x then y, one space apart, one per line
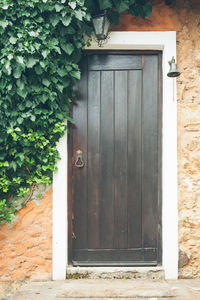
187 24
188 39
25 246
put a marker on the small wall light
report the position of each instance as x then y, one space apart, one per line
173 72
101 26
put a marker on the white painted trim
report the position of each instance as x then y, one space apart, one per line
60 214
165 41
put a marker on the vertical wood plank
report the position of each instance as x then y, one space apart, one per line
107 159
94 85
134 160
120 160
79 192
150 151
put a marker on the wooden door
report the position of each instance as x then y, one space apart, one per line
115 211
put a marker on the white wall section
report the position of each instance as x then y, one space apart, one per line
60 214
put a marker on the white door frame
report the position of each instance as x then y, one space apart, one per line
166 42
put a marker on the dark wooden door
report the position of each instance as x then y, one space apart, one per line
115 218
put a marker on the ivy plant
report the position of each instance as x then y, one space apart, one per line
141 8
40 46
41 43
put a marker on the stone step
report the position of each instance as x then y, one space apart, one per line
115 272
107 289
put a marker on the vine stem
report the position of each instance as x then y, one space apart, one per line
30 195
28 171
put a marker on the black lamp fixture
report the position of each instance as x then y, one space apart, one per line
101 26
173 72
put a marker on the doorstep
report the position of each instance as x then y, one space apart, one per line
115 272
102 289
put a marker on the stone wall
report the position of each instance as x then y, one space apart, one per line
25 246
188 44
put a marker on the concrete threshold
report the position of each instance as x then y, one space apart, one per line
115 272
101 289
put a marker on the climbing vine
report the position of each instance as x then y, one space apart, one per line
40 47
141 8
41 43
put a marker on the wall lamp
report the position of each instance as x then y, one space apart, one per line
173 71
101 26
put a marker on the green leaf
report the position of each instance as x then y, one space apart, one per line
76 74
70 30
66 20
13 165
79 14
4 23
8 67
38 70
10 56
57 49
70 119
53 42
43 63
105 4
80 2
20 60
17 72
13 40
147 9
62 72
54 19
20 120
68 68
31 62
22 93
45 53
121 5
9 87
44 98
39 20
33 118
68 48
72 4
20 84
33 33
46 82
29 103
17 129
60 87
5 6
58 7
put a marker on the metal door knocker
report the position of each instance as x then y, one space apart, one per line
79 163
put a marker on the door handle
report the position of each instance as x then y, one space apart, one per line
79 162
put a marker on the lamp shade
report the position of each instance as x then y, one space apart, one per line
101 26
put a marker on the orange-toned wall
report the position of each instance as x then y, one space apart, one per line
25 245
